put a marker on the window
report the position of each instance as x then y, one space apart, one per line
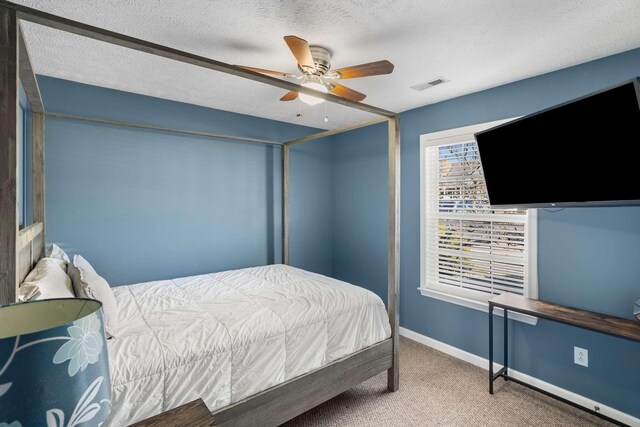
470 253
21 174
24 212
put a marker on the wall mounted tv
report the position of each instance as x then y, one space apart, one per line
585 152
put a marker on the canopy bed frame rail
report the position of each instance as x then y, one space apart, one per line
21 248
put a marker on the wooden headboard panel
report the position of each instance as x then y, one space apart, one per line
30 248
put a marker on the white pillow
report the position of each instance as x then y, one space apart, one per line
89 284
47 280
56 252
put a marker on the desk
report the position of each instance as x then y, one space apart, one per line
611 325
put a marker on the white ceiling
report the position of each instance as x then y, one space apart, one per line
476 44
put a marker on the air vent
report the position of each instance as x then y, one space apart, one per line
435 82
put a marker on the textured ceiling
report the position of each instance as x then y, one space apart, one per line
476 44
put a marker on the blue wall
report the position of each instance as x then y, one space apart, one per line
360 208
143 205
588 258
311 206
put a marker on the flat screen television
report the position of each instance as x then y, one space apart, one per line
585 152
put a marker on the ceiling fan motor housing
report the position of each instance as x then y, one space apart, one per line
322 60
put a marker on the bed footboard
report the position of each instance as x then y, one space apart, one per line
281 403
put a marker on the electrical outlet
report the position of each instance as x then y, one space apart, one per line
581 356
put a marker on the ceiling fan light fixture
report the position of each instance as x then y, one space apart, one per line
314 63
310 99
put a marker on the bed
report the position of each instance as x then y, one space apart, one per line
259 345
224 337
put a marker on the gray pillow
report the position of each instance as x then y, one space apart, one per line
89 284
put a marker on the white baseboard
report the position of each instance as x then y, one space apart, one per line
484 364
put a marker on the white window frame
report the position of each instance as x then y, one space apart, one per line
460 135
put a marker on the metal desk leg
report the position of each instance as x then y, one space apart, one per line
490 348
506 342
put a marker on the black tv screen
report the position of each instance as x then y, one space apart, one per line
585 152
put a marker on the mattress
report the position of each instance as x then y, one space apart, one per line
225 336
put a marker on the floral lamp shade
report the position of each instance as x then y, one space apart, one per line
54 368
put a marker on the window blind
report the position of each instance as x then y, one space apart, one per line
471 249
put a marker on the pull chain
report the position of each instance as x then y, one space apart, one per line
326 116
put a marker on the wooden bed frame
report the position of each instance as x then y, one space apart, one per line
20 249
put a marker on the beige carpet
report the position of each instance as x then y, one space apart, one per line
439 390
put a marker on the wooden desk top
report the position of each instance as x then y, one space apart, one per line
598 322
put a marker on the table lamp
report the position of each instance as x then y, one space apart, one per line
54 368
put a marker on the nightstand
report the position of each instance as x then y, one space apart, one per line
192 414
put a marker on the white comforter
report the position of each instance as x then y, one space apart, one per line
226 336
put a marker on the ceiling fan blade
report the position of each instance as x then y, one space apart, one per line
364 70
345 92
289 96
300 49
265 71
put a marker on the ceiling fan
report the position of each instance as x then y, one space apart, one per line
315 64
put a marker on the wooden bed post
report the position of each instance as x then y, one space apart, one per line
393 376
285 204
393 302
8 154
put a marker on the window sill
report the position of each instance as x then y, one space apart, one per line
477 305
